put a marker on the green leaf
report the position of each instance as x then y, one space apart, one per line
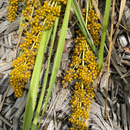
103 37
32 94
45 78
58 54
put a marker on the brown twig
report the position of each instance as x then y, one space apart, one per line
1 105
101 20
124 28
125 74
97 2
19 38
109 57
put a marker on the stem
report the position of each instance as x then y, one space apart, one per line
87 8
109 56
83 58
77 64
90 4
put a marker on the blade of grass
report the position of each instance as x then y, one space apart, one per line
31 99
83 26
78 13
58 54
103 37
45 78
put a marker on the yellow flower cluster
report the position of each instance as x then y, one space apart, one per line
38 17
81 101
84 68
82 55
13 6
93 25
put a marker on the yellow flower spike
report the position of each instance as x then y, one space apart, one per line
24 64
84 67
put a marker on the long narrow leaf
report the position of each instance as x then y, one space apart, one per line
58 53
45 78
87 8
103 37
30 105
